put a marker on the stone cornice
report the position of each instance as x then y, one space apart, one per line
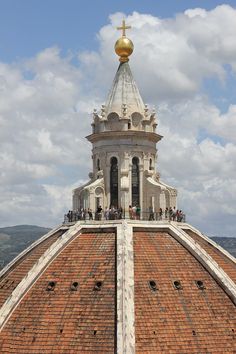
124 134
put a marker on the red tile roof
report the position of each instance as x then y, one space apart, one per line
71 307
62 320
12 278
224 262
167 320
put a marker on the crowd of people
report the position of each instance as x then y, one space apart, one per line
134 213
111 213
169 214
80 214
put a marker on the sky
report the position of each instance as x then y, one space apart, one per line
57 63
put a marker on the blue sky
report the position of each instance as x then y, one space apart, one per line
57 64
29 26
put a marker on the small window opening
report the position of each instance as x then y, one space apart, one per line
97 286
177 285
200 284
74 286
97 202
51 286
129 125
61 330
194 333
13 285
98 165
232 330
150 164
23 329
153 285
94 332
154 332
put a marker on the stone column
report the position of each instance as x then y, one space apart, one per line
162 200
107 180
141 187
125 186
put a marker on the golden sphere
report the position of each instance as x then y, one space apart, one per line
124 47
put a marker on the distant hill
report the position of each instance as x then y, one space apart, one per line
15 239
228 243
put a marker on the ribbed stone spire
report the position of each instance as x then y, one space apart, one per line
124 91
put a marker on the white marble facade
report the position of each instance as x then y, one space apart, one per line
124 154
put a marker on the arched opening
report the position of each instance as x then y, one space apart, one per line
114 182
99 193
84 199
98 165
150 164
135 181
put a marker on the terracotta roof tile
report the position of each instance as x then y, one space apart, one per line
66 317
64 320
179 321
224 262
11 279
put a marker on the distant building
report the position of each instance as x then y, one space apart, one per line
127 285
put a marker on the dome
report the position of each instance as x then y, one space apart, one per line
121 287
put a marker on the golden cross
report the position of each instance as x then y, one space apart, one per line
123 28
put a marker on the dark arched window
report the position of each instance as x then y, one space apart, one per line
135 181
114 182
98 165
150 164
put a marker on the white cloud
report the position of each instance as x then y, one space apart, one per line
173 55
198 163
40 137
225 125
44 116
